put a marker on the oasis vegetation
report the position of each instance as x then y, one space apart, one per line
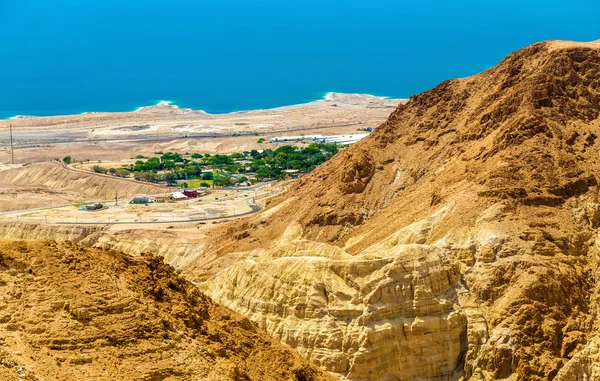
205 170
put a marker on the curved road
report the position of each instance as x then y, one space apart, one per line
250 201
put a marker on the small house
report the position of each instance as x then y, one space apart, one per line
141 200
178 196
93 207
189 193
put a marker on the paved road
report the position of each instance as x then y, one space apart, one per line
250 201
254 208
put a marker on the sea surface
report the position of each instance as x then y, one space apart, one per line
72 56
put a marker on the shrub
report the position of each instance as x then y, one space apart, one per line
99 169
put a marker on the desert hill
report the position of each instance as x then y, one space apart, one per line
460 240
44 184
72 313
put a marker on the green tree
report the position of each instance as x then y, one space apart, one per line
168 164
232 168
67 159
170 178
170 156
221 181
122 172
262 172
99 169
261 140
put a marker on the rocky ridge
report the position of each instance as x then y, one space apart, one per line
458 241
72 313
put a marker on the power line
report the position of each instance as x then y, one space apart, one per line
12 150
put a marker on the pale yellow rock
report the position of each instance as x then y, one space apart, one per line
393 307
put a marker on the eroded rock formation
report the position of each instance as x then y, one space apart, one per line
457 241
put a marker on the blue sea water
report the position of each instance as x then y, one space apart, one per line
72 56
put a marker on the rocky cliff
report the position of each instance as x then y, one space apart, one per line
72 313
458 241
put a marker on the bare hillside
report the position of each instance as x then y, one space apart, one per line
460 240
72 313
44 184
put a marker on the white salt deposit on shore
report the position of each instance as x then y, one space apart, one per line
22 117
168 107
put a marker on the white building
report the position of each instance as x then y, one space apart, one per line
342 139
282 139
178 196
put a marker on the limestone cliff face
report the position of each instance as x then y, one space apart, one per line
393 307
457 241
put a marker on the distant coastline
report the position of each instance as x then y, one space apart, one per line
170 106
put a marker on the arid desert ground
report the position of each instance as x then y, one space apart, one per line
116 136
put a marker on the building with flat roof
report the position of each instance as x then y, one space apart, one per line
141 200
178 196
330 139
342 139
190 193
281 139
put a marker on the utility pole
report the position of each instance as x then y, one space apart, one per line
12 150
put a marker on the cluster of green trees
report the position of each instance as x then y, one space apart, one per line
220 169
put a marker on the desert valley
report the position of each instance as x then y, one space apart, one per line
458 240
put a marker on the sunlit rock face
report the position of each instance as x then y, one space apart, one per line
457 241
389 313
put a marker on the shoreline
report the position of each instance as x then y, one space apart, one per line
172 107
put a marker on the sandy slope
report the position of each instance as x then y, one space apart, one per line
45 184
71 313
